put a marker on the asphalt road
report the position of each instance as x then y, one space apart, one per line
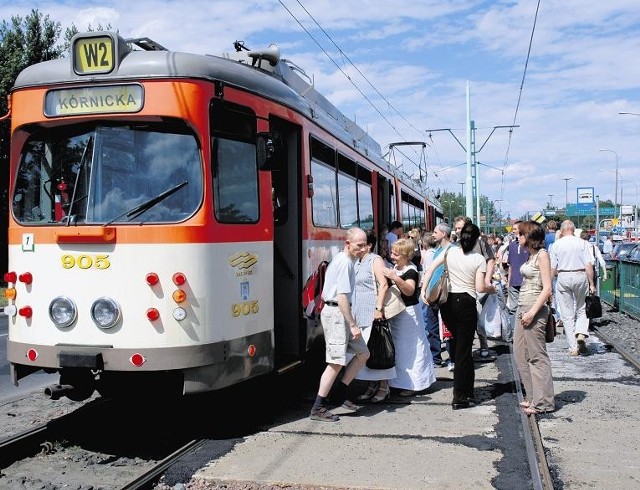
34 382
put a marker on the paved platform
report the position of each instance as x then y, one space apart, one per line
420 442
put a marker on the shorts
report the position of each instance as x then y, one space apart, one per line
338 338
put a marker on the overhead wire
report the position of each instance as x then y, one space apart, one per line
347 76
515 115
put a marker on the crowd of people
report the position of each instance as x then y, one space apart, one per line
540 270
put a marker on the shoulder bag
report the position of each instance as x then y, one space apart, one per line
393 303
440 291
550 328
382 352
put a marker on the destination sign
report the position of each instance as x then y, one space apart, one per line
93 55
101 99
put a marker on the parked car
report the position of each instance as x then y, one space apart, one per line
621 250
634 254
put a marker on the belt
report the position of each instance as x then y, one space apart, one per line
333 303
574 270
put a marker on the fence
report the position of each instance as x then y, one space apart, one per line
622 287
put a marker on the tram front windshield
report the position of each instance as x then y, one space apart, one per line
102 174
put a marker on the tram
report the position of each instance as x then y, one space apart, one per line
167 208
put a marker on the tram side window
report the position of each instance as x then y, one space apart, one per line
347 200
235 169
324 194
365 206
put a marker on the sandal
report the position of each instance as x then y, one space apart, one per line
349 406
535 411
369 393
323 415
381 395
406 393
525 404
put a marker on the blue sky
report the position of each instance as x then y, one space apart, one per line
419 56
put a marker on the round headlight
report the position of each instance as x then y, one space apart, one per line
62 311
105 312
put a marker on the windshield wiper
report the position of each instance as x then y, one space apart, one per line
81 166
145 206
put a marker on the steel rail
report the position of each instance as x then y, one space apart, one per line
538 467
150 477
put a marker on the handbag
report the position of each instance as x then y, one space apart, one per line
593 306
382 352
392 304
550 327
439 293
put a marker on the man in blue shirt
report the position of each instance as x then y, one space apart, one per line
441 235
517 256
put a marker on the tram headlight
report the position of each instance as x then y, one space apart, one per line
62 311
105 312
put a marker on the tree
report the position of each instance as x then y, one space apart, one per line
23 42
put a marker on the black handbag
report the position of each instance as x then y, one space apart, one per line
382 352
550 327
593 306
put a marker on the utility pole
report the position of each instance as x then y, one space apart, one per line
472 181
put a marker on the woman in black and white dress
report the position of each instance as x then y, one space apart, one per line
414 364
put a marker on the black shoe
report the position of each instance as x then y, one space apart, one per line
461 404
483 355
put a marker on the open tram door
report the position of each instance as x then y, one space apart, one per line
289 326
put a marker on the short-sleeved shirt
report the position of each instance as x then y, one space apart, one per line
549 239
463 269
437 272
410 272
570 253
391 238
340 277
517 256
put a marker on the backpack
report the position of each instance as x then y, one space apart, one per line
312 303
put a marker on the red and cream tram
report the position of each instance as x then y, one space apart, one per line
166 209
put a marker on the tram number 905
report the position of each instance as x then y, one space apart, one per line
245 308
85 261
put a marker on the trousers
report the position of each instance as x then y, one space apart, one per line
572 289
461 317
532 359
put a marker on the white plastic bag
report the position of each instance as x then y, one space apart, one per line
490 319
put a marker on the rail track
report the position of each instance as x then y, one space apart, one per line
66 445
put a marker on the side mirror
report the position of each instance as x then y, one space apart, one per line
270 152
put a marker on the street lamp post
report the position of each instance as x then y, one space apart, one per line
449 202
566 193
615 199
493 230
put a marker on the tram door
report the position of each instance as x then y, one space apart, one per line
289 327
385 194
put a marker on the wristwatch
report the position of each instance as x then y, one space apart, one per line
378 308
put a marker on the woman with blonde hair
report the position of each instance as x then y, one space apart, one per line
414 364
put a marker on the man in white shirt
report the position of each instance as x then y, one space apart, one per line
572 262
341 332
607 247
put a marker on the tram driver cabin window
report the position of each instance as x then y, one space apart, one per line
234 165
